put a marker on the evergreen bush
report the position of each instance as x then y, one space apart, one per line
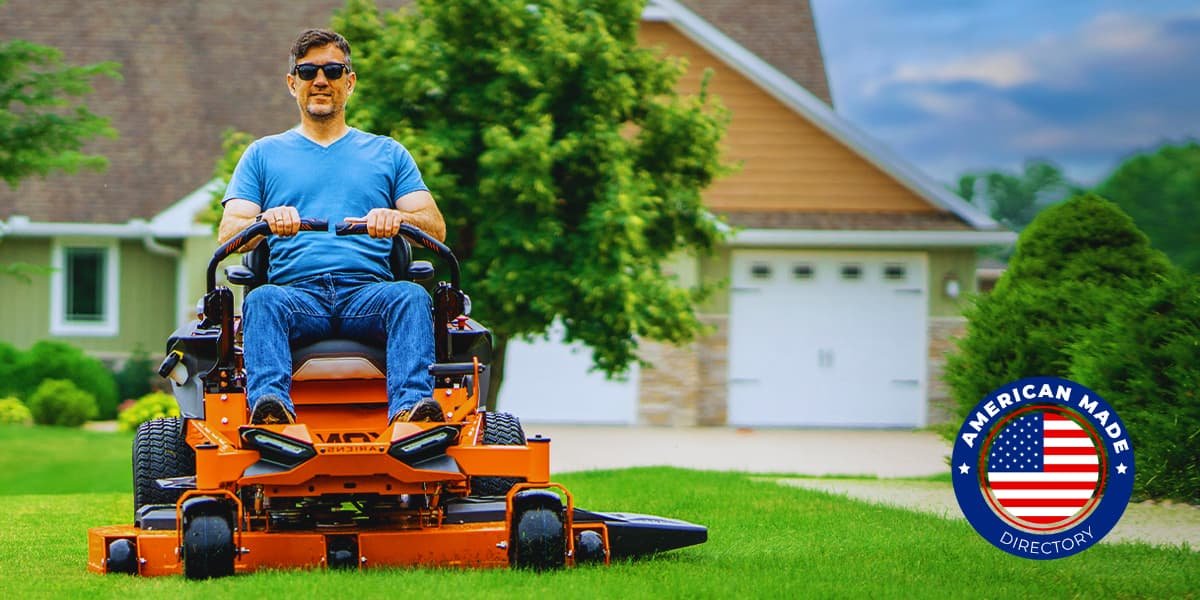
155 405
1145 361
58 360
61 402
14 412
135 377
10 361
1074 263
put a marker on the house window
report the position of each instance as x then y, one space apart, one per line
802 271
83 289
852 272
894 272
760 271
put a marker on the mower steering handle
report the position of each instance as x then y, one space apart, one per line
415 234
240 238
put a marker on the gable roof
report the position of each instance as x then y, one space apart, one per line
813 109
192 70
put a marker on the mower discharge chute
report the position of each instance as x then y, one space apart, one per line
215 495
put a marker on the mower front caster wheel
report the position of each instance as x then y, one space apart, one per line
539 539
207 547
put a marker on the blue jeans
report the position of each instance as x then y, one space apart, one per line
396 314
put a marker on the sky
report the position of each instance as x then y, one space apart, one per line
977 85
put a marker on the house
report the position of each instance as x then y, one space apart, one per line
846 267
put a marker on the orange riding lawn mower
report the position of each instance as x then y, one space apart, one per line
342 488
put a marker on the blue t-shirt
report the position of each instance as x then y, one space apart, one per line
348 178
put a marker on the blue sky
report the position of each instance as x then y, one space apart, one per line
958 85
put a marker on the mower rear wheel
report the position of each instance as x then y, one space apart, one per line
207 547
540 540
499 429
160 451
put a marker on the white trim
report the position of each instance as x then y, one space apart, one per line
59 325
788 238
21 226
813 109
179 219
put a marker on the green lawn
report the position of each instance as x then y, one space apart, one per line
766 540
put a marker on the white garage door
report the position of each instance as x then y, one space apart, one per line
547 381
828 339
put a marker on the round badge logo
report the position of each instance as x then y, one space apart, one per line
1043 468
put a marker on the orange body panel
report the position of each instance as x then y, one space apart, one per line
466 545
345 424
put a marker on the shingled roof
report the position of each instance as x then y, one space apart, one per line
194 69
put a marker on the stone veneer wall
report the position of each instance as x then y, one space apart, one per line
686 386
942 332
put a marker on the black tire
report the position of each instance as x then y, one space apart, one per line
539 540
207 547
122 557
160 451
499 429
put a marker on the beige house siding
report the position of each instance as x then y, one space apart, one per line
787 163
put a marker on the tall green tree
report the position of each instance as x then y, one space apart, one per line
1015 199
561 154
1161 191
44 123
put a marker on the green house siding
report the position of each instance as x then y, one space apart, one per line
944 264
146 306
25 305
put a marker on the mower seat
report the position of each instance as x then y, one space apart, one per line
338 360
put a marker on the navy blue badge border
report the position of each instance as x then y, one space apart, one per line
1042 546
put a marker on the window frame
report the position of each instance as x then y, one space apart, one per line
109 324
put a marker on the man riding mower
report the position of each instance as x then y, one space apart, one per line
343 486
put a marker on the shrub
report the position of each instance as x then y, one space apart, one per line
1073 264
10 361
1086 239
56 360
14 412
155 405
1145 360
60 402
134 378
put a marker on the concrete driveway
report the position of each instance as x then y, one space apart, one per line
886 453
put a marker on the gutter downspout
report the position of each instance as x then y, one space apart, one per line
153 246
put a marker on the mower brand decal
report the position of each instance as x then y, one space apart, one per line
351 448
1043 468
349 437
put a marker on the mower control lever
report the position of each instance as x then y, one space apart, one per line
240 238
415 234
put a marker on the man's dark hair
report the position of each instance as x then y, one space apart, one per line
315 38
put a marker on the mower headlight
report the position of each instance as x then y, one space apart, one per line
424 445
278 449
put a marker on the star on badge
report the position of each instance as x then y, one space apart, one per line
1121 468
963 468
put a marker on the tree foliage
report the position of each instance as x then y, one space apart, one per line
564 160
43 124
1074 263
1161 191
1015 199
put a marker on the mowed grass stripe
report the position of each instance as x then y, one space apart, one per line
766 540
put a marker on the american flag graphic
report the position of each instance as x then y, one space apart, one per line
1043 469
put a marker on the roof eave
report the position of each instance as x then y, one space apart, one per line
824 238
794 96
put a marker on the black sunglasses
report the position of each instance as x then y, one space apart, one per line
308 71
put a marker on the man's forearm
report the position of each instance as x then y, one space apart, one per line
232 223
428 219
